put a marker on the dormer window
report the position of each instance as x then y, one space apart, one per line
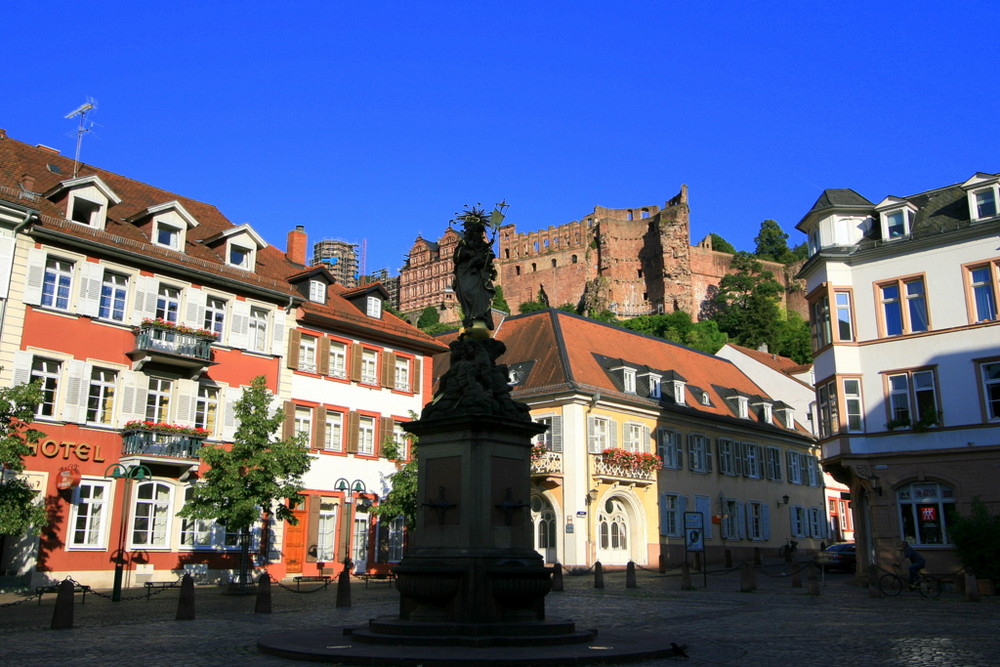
742 407
787 417
86 212
983 191
317 291
169 224
373 306
87 200
896 218
628 380
654 386
705 399
765 413
678 388
240 257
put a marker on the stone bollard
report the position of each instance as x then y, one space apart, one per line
748 582
185 603
971 588
62 615
344 586
756 556
263 605
598 575
729 559
557 577
685 577
813 580
630 575
663 563
797 577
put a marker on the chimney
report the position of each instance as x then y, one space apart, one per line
296 248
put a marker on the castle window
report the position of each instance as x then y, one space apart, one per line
573 259
534 267
629 216
506 253
517 270
639 273
553 264
645 213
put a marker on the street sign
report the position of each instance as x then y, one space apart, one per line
694 531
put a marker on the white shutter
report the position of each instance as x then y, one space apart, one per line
793 517
646 436
230 395
592 446
7 244
765 521
703 504
708 455
186 391
77 375
278 332
22 366
35 277
663 514
91 280
134 389
195 314
145 299
240 325
613 432
556 432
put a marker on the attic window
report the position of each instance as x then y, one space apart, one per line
705 400
317 291
787 417
168 235
654 386
374 307
742 407
54 168
765 413
240 256
984 204
678 392
85 212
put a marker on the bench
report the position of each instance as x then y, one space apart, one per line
150 585
312 579
381 577
54 588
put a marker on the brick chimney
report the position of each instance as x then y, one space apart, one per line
296 248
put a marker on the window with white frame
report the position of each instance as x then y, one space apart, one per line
845 318
89 515
151 515
326 531
730 519
338 359
678 388
812 468
669 448
984 285
206 533
86 212
743 407
402 374
168 303
303 424
57 283
794 467
402 438
258 330
913 399
991 389
158 400
601 434
628 380
101 396
369 367
654 385
820 322
395 551
317 291
826 405
46 373
727 461
333 434
167 235
903 307
757 520
799 520
671 514
772 469
699 453
925 509
853 406
206 408
373 306
114 292
752 455
307 353
817 523
985 205
366 435
215 314
240 256
634 437
896 223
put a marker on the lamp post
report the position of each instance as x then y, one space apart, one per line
126 473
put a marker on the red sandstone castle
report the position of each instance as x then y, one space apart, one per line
631 261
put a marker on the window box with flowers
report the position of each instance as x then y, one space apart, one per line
623 464
157 335
544 461
162 439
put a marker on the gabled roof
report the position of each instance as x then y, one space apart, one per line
773 361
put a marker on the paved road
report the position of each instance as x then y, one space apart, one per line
775 625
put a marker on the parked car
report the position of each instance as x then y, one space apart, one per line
838 556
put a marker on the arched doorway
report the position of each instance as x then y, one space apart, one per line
615 532
543 524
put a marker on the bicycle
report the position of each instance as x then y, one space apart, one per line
892 583
787 550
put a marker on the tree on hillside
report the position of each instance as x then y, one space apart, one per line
720 244
531 307
792 338
20 513
673 326
748 302
250 479
428 316
499 302
772 243
706 336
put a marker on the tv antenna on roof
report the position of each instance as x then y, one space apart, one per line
81 111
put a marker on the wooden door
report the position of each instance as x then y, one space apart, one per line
295 543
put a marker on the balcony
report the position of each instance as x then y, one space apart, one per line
617 465
166 344
548 463
153 443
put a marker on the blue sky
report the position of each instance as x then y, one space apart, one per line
380 120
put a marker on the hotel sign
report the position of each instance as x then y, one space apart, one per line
81 451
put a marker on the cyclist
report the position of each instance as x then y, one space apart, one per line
917 562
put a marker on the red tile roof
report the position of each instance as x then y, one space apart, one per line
774 361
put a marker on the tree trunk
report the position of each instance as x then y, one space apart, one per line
243 585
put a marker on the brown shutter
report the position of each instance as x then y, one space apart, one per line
292 358
312 530
324 355
288 427
389 370
353 422
354 372
415 376
385 431
319 428
382 552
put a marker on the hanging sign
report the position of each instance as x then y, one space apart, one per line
68 478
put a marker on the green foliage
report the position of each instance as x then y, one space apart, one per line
792 338
604 316
748 302
531 307
402 497
567 307
678 327
800 252
977 540
706 336
428 316
257 473
722 245
772 243
499 302
440 327
20 513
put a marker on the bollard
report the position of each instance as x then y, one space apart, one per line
630 575
729 559
873 591
598 575
813 580
185 603
797 578
62 615
344 585
263 604
686 577
663 563
697 560
971 588
747 583
557 577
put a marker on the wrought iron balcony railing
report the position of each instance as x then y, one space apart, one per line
154 443
150 338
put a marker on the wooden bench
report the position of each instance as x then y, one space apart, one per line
54 588
381 577
150 585
312 579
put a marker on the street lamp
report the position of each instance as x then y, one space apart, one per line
126 473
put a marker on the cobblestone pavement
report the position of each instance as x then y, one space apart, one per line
774 625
